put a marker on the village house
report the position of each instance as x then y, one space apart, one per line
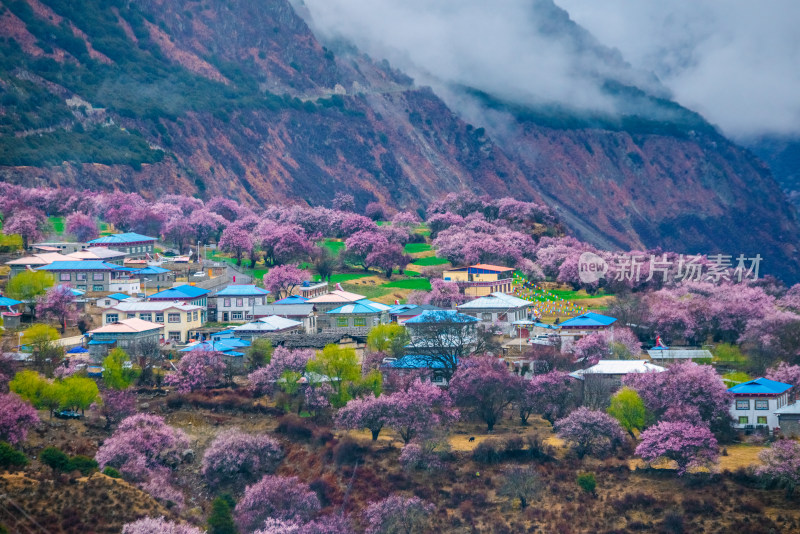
755 403
358 317
113 299
156 275
582 325
178 318
133 244
789 419
308 290
303 312
400 313
100 253
329 301
613 371
498 309
481 279
236 303
184 293
11 314
125 334
268 325
94 276
232 349
36 261
64 247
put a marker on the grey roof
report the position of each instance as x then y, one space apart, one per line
305 341
496 300
678 354
294 310
789 409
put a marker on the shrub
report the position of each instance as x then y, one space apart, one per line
55 458
522 483
347 451
84 464
221 520
587 482
111 472
590 432
489 451
10 457
294 427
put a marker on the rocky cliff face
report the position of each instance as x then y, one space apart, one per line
240 99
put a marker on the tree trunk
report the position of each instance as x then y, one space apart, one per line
375 434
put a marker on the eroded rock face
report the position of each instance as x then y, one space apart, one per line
257 113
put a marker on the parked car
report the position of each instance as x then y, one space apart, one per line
68 414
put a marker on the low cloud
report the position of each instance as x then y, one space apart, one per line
735 62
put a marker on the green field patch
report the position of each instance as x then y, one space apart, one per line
58 224
334 247
420 284
569 294
370 292
414 248
412 273
428 261
345 277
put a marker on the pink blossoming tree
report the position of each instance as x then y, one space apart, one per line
781 464
264 380
686 444
82 226
58 304
372 413
237 456
282 280
158 525
16 418
590 432
483 387
396 514
197 370
285 498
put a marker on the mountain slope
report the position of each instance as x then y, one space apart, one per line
240 99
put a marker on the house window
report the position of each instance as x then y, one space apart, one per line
81 277
762 405
174 317
108 302
174 336
146 316
743 419
194 315
341 322
98 277
64 277
743 404
239 303
111 318
159 317
131 316
486 317
761 420
97 288
359 321
236 316
252 301
82 288
226 303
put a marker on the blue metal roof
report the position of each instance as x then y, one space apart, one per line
118 296
545 325
77 350
102 342
589 319
152 270
442 316
357 307
414 361
242 290
5 301
89 265
120 239
760 386
75 292
292 299
226 346
179 293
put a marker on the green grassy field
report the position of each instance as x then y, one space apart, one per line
58 224
569 294
421 284
428 261
335 247
413 248
345 277
370 292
